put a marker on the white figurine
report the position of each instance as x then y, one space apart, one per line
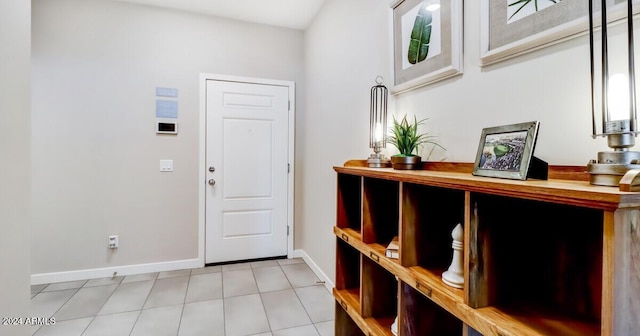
454 275
394 327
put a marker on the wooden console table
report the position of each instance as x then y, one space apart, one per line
555 257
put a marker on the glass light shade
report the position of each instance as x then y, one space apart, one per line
613 99
378 124
618 97
378 134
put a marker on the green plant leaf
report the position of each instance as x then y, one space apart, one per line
405 137
420 36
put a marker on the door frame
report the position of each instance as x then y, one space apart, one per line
204 77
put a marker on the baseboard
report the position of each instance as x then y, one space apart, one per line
97 273
314 267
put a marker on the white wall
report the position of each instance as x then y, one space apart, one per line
15 38
95 170
349 43
346 48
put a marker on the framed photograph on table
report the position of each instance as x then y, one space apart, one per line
514 27
427 42
507 152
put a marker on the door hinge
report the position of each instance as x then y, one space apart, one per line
287 230
289 105
288 168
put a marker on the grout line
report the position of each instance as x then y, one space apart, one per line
304 307
224 303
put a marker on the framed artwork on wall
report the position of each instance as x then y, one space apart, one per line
507 152
427 42
514 27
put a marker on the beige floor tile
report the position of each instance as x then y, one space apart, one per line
119 324
206 270
140 277
238 282
163 321
270 279
202 318
235 267
174 274
127 297
307 330
46 304
326 328
35 289
284 309
104 281
244 315
291 261
300 275
167 292
318 302
86 302
64 285
264 263
204 287
65 328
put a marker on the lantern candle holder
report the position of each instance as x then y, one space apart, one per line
378 125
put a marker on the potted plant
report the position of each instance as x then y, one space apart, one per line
405 137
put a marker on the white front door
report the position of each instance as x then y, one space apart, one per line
247 151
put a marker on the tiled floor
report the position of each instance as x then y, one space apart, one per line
274 297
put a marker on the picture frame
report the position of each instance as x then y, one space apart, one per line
443 58
507 152
505 34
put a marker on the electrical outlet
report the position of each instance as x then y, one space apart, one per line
113 241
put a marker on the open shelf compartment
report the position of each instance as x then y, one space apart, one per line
537 263
380 204
379 296
420 316
349 207
344 324
429 215
348 272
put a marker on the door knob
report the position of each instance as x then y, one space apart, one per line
212 182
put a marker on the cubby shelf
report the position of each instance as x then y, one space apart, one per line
556 257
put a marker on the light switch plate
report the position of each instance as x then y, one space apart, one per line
166 165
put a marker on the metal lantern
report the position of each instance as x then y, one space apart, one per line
378 124
613 101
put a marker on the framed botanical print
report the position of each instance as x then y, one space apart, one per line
427 42
514 27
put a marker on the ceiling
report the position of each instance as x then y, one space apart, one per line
295 14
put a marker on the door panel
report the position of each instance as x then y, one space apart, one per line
247 142
248 159
247 223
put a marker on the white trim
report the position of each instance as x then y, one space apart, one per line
97 273
314 267
291 159
203 163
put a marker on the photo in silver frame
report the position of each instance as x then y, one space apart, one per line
507 152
